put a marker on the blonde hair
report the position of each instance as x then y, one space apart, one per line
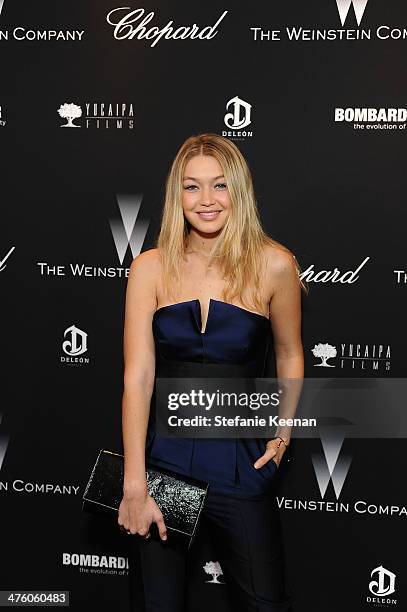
239 247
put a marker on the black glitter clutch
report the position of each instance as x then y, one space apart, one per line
180 498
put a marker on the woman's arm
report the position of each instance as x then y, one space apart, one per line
285 317
139 367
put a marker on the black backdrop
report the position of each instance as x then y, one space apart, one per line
333 191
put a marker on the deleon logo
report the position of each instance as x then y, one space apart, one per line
385 583
240 115
331 466
359 6
129 230
77 345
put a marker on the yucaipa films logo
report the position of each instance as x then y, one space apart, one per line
70 112
99 115
374 358
348 11
213 568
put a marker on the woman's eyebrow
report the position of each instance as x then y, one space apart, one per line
197 180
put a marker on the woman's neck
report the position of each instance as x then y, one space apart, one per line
201 244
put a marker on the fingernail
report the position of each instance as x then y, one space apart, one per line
256 465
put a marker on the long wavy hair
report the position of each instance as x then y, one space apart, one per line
239 246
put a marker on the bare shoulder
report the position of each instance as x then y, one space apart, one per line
146 267
147 262
280 262
144 277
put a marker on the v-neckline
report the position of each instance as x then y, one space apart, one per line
198 311
203 332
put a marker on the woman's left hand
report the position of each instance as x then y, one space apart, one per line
275 450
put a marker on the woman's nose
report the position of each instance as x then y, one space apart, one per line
207 196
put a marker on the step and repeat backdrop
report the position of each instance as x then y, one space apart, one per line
95 100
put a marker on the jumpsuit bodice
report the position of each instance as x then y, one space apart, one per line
235 343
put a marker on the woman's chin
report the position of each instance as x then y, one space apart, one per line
208 227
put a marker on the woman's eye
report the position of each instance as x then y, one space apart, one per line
193 187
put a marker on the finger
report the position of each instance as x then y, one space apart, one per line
269 454
260 462
162 528
143 532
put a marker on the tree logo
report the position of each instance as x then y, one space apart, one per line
324 352
70 112
213 568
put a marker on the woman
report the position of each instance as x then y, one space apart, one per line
204 298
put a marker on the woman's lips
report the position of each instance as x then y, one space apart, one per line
209 216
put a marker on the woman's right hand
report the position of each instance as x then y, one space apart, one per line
136 513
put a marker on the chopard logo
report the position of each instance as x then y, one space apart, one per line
123 22
3 261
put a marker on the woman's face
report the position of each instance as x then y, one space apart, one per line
205 195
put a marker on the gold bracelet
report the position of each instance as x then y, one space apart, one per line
282 439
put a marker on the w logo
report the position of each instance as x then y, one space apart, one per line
331 466
359 7
129 230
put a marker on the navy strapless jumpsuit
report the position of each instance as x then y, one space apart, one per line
239 511
235 343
